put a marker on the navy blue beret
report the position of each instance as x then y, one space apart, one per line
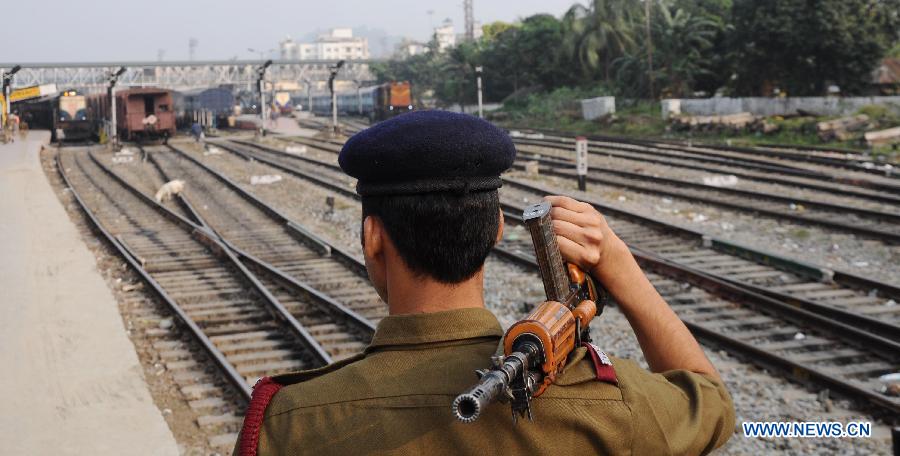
428 151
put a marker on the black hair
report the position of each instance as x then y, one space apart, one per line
446 236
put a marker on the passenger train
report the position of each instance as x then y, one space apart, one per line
375 102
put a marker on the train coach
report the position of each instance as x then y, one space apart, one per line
141 113
378 102
217 103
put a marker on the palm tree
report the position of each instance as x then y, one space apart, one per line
681 38
602 31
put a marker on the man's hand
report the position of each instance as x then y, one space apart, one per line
586 240
582 233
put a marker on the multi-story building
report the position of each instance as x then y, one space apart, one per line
445 36
338 44
408 48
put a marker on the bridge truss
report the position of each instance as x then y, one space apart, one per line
93 77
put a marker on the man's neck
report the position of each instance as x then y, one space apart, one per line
425 295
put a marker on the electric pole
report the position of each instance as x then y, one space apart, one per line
334 71
111 92
308 94
261 83
7 89
649 47
478 71
470 20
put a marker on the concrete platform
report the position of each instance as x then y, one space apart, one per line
70 378
288 126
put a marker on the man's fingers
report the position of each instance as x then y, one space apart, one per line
575 253
570 231
568 203
578 218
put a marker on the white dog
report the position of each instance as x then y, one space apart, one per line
169 189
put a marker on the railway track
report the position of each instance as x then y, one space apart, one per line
220 304
251 318
259 230
865 173
883 225
790 182
838 295
638 155
779 318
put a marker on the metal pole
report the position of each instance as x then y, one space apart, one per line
5 98
262 95
262 101
334 72
649 47
359 99
581 161
113 79
6 102
308 96
478 70
114 136
7 79
334 124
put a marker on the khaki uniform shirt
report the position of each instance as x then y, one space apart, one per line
395 399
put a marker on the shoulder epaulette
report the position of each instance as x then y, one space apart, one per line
263 392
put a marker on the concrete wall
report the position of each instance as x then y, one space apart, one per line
473 109
832 106
593 108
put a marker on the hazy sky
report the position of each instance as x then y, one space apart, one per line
100 30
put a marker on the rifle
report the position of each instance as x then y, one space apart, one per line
536 348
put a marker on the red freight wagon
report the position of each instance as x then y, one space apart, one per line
140 113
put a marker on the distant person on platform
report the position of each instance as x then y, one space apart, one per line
197 131
14 124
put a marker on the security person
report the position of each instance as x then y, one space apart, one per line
428 182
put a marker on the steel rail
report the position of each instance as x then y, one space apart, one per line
218 358
894 188
559 161
878 327
291 170
679 162
324 301
892 237
882 328
722 245
209 239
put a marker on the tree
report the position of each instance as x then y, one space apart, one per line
803 46
490 31
598 34
525 55
680 40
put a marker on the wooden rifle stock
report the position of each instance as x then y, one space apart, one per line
537 347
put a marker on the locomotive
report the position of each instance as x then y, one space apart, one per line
65 115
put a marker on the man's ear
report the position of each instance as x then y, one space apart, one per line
373 237
500 228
